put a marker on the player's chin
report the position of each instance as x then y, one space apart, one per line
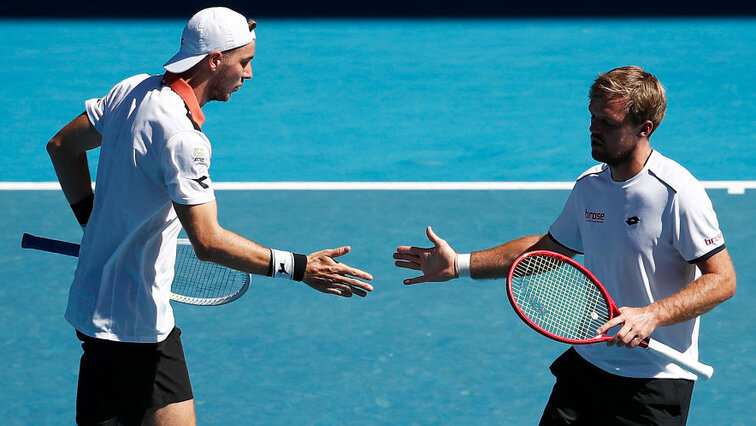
598 155
222 97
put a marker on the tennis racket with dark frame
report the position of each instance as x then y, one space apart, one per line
561 299
195 282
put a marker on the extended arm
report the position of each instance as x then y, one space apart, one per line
495 262
439 263
213 243
715 285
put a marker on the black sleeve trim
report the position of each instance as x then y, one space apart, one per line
551 237
707 255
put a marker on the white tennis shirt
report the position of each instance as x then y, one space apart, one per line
151 154
641 239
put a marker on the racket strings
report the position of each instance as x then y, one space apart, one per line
201 282
558 298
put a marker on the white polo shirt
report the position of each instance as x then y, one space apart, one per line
641 239
152 154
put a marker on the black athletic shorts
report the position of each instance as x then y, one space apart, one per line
587 395
120 380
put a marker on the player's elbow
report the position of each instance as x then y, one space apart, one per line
730 285
205 246
59 150
203 255
54 146
721 272
725 287
203 251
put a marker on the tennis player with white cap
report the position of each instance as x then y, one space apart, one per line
152 180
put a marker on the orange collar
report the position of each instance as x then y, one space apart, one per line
186 93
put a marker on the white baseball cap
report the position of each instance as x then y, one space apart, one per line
215 29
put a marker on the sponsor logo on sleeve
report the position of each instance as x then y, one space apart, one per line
594 217
632 220
717 238
199 155
201 182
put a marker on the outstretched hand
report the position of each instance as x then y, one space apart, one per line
437 263
325 274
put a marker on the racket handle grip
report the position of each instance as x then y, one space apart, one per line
29 241
700 369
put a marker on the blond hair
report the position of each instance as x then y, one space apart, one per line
643 94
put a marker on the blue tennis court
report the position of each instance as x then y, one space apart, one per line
377 101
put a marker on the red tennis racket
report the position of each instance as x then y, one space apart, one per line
559 298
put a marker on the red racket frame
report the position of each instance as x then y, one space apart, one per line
613 309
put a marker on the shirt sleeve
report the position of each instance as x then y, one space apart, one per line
566 228
97 108
696 233
185 164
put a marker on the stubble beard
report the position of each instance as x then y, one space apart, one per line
219 93
617 157
612 159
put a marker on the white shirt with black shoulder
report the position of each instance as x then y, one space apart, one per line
641 238
152 154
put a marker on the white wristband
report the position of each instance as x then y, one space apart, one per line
283 263
463 265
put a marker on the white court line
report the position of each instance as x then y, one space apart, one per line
732 186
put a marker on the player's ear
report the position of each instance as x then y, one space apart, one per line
214 60
646 129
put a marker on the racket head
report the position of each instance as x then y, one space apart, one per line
559 298
205 283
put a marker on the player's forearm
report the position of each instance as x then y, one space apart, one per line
72 169
495 262
234 251
699 297
212 243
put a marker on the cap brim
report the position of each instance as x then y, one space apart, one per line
180 62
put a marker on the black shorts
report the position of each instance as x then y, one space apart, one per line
125 380
587 395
